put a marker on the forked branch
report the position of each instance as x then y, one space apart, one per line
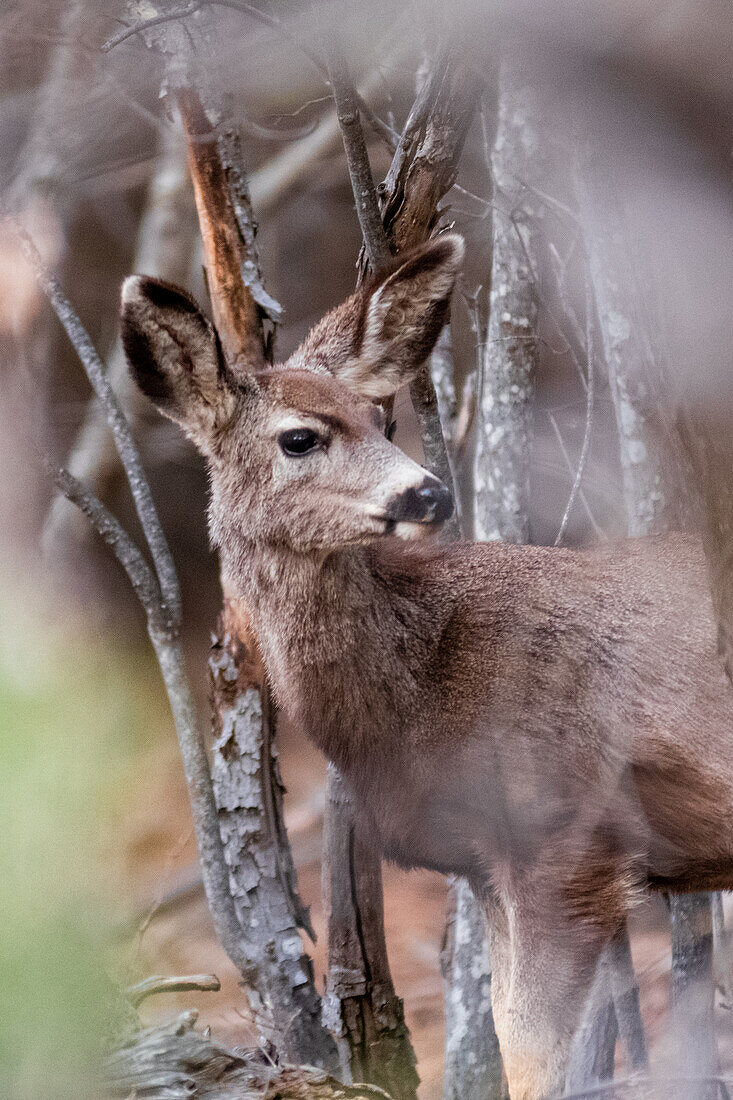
163 614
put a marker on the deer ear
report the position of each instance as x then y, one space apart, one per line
380 337
402 318
175 356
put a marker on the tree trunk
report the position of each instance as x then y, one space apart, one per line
472 1069
361 1007
501 480
634 373
247 785
501 469
248 792
362 1001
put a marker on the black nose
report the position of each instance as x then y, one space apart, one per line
430 502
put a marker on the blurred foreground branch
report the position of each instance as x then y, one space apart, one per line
652 505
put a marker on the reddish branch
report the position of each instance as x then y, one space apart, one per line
236 314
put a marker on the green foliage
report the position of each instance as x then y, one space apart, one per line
71 713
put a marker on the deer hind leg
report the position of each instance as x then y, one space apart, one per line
541 977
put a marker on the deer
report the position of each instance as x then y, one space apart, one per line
553 724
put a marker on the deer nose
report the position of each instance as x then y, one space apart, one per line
430 502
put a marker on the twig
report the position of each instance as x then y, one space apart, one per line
277 177
581 495
385 132
153 21
357 160
150 987
590 394
126 449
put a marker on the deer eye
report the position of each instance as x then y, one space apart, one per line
298 441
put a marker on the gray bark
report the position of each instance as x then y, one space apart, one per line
693 993
594 1043
501 480
472 1069
634 373
361 1007
248 792
630 360
176 1061
501 470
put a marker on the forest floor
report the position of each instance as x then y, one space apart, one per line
167 929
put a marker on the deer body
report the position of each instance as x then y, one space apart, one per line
553 725
478 697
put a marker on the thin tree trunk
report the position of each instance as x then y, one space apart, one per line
501 468
501 479
594 1044
248 791
361 1007
361 997
634 372
246 781
472 1068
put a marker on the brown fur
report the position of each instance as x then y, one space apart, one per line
553 725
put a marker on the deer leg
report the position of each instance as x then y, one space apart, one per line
541 977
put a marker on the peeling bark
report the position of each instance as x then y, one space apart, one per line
176 1061
248 792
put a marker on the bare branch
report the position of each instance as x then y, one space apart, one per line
126 449
380 127
357 159
599 532
170 658
141 576
150 987
236 313
165 248
277 177
153 21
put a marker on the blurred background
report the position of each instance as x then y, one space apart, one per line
100 880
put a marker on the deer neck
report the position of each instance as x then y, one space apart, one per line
342 648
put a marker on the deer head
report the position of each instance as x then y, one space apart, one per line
297 453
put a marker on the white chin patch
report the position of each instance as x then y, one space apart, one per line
412 532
